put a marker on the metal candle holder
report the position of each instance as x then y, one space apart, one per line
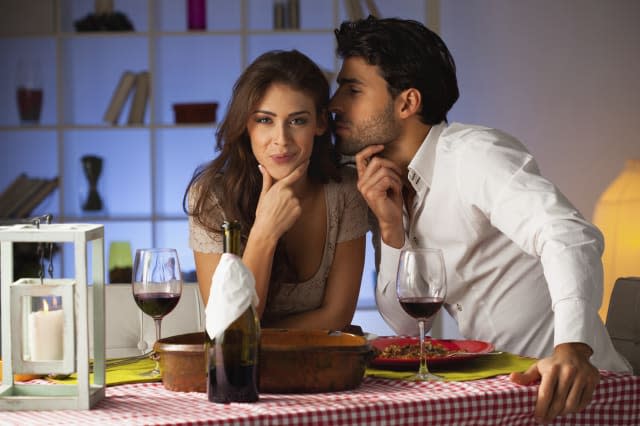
17 299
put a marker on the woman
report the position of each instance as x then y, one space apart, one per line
303 220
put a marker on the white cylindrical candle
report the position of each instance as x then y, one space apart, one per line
46 335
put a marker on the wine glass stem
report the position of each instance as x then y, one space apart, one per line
423 354
158 322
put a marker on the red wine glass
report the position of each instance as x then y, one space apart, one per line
157 285
421 288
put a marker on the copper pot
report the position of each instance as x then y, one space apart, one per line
182 362
289 361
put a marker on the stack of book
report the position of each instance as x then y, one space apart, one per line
132 84
286 14
355 11
24 194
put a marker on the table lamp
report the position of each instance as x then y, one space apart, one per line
617 214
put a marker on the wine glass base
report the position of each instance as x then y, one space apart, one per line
151 374
426 377
155 373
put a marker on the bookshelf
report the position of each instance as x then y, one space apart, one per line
146 166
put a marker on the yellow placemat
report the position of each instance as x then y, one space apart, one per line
481 367
128 373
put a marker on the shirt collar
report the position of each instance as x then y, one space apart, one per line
421 166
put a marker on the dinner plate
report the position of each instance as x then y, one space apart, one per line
468 349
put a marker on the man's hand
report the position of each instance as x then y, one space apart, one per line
278 207
380 183
567 381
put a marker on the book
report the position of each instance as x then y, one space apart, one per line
11 193
119 97
140 98
354 9
357 9
18 202
44 187
293 14
24 194
279 15
373 9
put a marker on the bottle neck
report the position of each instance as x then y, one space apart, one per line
231 242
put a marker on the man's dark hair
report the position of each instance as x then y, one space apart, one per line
408 54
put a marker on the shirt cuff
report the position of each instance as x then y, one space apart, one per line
574 322
389 258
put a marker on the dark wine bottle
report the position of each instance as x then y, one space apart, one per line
232 358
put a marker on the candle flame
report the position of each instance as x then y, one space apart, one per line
45 305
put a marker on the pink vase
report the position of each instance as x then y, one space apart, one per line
197 14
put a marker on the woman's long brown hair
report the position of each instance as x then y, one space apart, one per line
233 176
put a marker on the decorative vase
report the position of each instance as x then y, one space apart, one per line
92 166
120 263
197 14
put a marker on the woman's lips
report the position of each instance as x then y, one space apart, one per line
281 158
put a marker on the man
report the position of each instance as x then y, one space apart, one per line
523 267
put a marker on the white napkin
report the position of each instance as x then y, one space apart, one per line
233 288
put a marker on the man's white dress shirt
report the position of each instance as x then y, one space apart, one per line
523 267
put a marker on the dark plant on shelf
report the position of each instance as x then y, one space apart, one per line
116 21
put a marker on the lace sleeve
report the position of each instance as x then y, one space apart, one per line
200 239
354 220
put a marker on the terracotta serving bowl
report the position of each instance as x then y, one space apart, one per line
289 361
182 362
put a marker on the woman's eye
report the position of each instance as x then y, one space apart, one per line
264 120
298 121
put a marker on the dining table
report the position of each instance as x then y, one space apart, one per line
376 401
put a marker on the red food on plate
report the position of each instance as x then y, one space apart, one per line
403 352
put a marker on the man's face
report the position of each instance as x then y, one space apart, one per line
363 108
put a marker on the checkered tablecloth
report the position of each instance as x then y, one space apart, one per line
494 401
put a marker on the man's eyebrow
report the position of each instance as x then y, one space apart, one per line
345 80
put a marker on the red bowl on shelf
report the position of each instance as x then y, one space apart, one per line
204 112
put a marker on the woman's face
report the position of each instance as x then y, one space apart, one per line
282 127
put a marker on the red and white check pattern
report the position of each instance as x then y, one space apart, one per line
494 401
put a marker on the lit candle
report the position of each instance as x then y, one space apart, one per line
46 334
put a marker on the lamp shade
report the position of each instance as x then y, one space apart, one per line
617 214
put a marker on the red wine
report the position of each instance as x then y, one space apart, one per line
157 305
421 307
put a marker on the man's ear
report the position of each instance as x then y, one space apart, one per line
409 102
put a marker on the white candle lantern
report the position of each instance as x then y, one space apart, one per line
45 323
46 341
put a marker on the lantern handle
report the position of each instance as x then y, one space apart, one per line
40 250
